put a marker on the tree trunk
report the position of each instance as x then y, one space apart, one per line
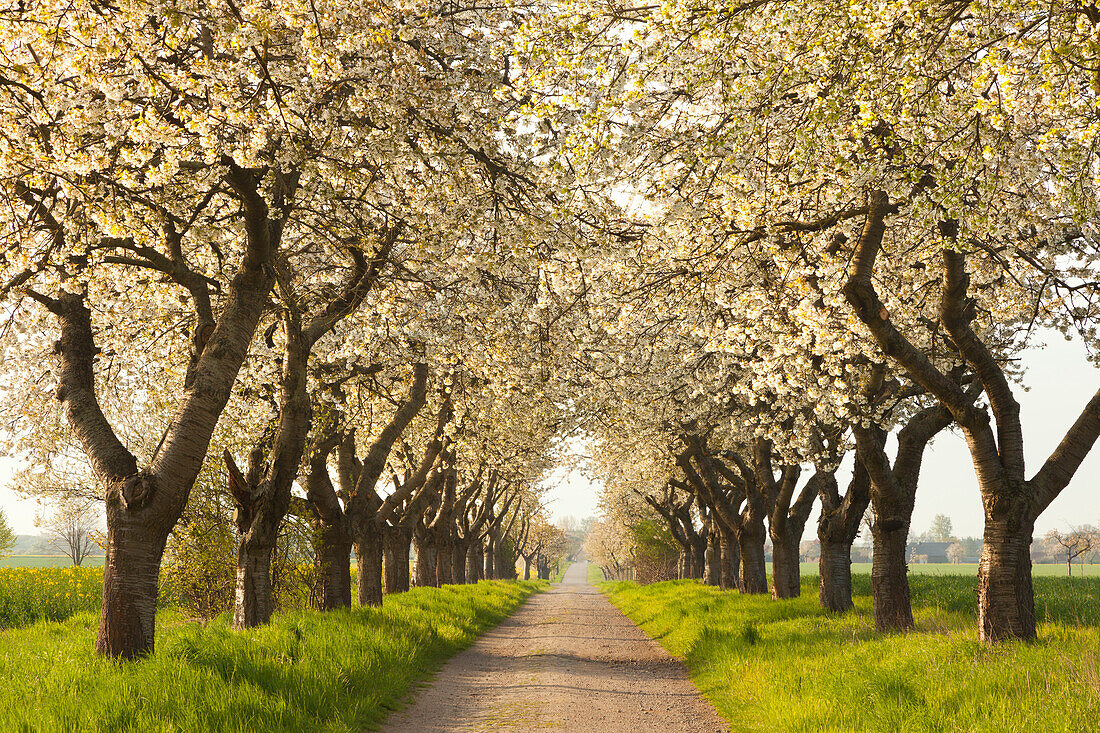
500 563
729 561
396 549
526 568
130 581
368 554
1006 600
253 601
458 562
333 563
444 562
712 558
490 558
754 568
699 558
835 567
475 562
889 582
837 528
425 562
786 575
395 560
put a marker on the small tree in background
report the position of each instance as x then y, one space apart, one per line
71 529
956 552
7 534
1073 544
941 530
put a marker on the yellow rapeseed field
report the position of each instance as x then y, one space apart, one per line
54 594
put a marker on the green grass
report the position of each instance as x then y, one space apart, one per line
1037 570
788 666
307 671
595 573
48 561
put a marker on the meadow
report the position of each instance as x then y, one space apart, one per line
333 671
789 666
1038 570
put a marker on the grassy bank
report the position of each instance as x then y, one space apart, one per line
787 666
337 671
595 573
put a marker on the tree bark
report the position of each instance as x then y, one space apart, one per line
425 562
395 560
786 575
333 563
475 562
1006 605
786 526
491 555
368 555
253 603
754 567
130 583
444 562
837 529
713 557
889 581
729 560
835 567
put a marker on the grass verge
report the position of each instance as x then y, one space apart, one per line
788 666
336 671
595 573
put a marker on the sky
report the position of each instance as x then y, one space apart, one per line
1060 380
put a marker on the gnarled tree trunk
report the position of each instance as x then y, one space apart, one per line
1006 605
889 581
713 557
130 582
837 529
368 556
395 559
754 566
475 562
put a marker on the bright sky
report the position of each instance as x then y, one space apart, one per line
1061 381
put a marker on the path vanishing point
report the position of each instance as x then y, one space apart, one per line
566 660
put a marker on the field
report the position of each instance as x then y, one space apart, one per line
335 671
788 666
1037 570
47 561
32 594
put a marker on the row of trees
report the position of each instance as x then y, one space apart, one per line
298 251
740 245
857 216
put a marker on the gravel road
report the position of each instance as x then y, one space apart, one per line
567 660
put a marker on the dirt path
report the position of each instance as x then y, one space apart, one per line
567 660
